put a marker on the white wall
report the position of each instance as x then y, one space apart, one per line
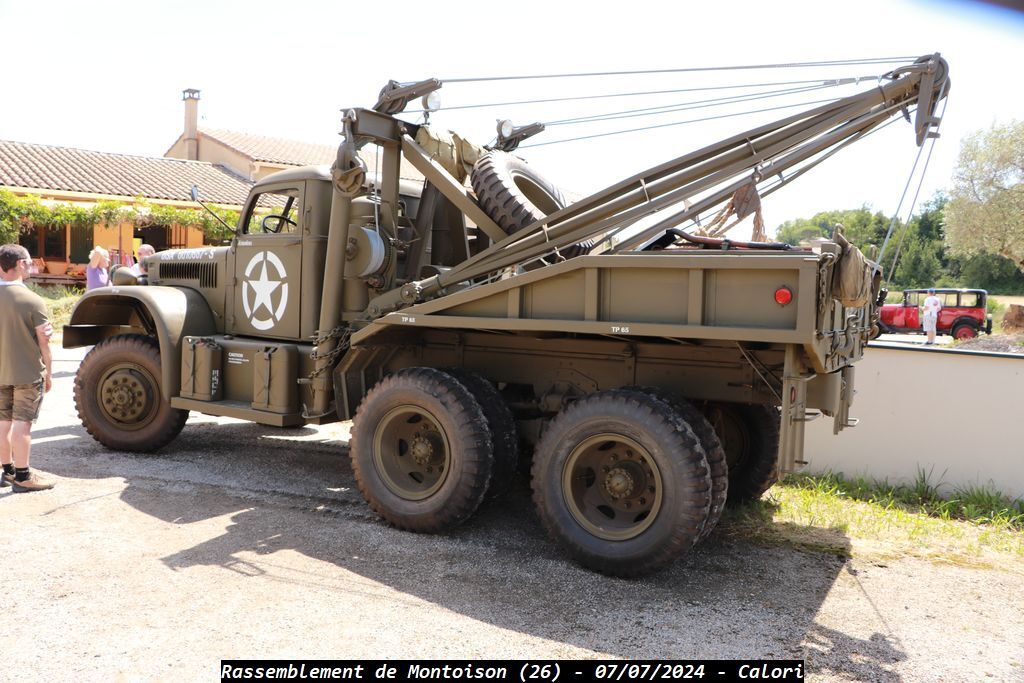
957 413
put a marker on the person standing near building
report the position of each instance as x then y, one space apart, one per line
930 315
96 274
139 269
25 368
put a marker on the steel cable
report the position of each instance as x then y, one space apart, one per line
698 69
823 81
913 203
676 123
684 106
910 178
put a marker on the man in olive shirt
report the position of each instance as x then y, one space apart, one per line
25 368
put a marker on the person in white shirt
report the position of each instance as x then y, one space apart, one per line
138 270
930 315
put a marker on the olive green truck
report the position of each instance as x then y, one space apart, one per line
644 373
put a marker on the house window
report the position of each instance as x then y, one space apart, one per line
54 243
50 243
30 240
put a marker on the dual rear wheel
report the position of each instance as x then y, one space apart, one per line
626 480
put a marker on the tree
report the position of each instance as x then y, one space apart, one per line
860 226
919 265
9 217
985 213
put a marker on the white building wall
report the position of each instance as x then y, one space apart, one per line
957 414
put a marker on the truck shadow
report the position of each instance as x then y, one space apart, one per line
283 491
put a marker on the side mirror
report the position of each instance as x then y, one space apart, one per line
194 192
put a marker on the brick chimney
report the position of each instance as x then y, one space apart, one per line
191 98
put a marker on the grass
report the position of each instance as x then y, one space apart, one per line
59 302
975 526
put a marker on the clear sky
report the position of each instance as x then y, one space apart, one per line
108 75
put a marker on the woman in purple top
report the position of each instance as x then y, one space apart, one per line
96 272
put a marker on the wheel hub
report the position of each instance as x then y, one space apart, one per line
410 452
619 483
422 450
612 486
125 396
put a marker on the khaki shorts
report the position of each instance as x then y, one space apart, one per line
21 403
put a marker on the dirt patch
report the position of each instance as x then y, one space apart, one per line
1002 343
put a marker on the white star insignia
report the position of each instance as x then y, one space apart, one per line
263 287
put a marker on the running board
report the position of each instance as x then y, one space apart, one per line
238 409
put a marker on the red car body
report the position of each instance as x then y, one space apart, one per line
964 313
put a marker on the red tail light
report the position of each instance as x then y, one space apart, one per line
783 295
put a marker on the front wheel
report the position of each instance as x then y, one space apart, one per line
118 397
621 481
421 451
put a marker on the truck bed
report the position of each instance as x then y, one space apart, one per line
678 295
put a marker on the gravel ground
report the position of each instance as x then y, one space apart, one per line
245 541
1003 343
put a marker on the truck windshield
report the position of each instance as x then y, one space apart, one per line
273 212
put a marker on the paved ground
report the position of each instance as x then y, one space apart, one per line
245 541
915 339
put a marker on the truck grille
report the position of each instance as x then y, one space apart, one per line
204 273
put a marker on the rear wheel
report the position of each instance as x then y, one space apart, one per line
621 482
118 396
713 449
421 451
501 425
965 331
750 437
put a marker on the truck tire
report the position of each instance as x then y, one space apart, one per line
501 425
421 451
750 437
118 397
514 195
963 331
621 482
712 445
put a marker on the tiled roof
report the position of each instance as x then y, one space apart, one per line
78 170
273 150
293 152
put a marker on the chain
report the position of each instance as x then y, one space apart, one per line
342 333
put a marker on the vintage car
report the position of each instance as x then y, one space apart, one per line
963 315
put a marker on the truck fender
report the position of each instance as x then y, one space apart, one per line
167 313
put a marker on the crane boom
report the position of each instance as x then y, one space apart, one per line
718 169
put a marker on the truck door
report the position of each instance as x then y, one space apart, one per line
267 264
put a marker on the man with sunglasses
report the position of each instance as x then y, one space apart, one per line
25 368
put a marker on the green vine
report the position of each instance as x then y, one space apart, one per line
22 214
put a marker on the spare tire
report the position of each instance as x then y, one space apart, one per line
514 196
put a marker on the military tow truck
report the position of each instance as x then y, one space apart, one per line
649 378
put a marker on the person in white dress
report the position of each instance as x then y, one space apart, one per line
930 315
